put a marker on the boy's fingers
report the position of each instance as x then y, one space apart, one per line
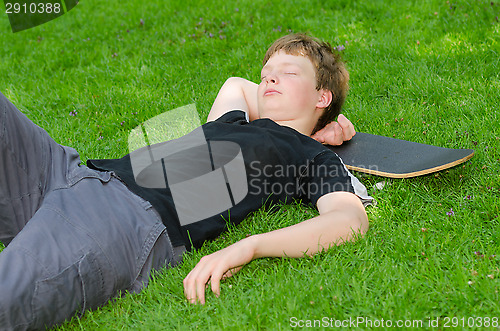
187 283
231 272
197 280
196 290
194 284
347 127
337 138
200 292
335 133
318 138
190 292
215 283
213 268
319 135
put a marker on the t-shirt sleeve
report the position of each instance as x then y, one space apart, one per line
328 174
234 116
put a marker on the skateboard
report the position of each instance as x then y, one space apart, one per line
396 158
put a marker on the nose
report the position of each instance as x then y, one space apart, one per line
271 77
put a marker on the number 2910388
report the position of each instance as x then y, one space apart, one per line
32 8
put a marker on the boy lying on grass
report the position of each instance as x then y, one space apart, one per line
78 235
302 89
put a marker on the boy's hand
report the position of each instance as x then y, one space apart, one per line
216 266
335 133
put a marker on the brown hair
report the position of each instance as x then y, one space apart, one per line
331 73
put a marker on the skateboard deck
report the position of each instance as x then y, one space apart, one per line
396 158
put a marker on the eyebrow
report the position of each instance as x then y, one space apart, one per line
284 64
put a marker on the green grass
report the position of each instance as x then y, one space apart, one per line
426 71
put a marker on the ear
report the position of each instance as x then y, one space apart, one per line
325 98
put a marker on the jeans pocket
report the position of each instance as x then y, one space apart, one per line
75 289
82 172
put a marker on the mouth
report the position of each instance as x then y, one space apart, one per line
271 92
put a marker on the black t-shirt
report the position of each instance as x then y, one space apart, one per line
276 163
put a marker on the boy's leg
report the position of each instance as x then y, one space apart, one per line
28 160
84 245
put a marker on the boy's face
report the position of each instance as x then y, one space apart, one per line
287 91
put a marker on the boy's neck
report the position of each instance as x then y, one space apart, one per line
301 126
304 125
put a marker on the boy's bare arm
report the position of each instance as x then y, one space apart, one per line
342 216
236 93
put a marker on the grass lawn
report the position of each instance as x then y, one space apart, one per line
425 71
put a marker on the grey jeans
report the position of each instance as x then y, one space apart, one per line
75 237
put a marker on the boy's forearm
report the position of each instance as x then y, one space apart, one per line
311 236
250 93
236 93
